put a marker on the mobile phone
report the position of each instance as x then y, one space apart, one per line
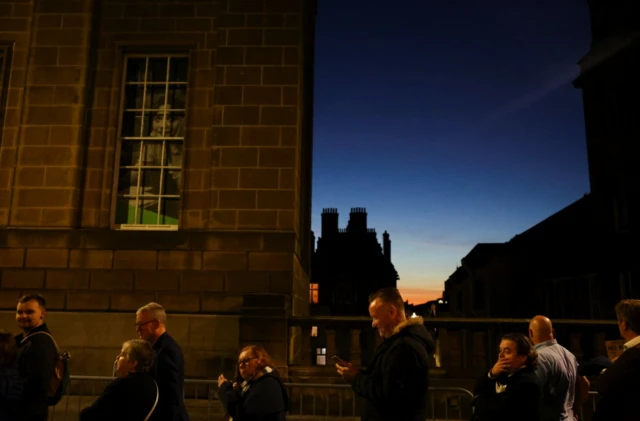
338 360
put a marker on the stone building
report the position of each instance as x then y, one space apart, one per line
348 265
156 150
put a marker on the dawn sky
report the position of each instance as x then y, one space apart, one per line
453 122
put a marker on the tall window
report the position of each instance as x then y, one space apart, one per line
313 293
151 142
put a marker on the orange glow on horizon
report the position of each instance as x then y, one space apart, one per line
419 295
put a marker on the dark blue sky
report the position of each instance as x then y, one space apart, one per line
452 121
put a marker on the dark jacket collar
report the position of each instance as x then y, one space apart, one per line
162 339
42 328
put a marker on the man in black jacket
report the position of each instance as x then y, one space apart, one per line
37 357
395 384
168 367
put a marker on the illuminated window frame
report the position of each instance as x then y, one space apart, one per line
130 210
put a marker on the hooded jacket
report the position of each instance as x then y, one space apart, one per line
396 382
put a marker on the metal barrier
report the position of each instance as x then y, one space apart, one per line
309 402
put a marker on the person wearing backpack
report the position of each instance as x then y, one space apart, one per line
37 357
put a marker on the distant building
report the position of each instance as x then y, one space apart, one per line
348 265
579 262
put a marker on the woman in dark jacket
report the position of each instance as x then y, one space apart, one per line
134 394
261 396
509 391
11 384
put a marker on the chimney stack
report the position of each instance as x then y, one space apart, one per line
386 246
357 220
329 222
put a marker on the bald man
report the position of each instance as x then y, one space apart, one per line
563 390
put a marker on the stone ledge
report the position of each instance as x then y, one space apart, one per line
108 239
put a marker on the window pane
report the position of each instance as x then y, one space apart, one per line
173 154
130 153
125 211
135 69
150 182
131 124
177 96
148 211
152 155
178 69
134 97
170 211
171 183
128 182
157 69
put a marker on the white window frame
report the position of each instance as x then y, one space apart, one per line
139 166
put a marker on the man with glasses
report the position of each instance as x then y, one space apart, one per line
168 366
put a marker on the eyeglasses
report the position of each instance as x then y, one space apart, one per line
144 323
246 361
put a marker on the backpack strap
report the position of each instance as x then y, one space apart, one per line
44 333
155 403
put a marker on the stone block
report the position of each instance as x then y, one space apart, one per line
221 303
225 178
229 56
284 37
276 199
279 116
263 95
201 281
9 299
260 136
264 219
226 136
179 260
228 95
239 157
281 282
270 261
285 75
241 115
246 75
11 258
264 56
111 280
246 282
244 37
215 333
91 259
225 260
135 259
47 258
231 20
287 179
87 300
237 199
180 303
131 301
160 280
255 178
67 279
277 157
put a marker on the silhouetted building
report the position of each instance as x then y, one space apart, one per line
580 261
348 265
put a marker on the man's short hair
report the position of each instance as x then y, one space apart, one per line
33 297
141 351
156 311
389 296
629 311
8 349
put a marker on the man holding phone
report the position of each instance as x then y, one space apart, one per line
396 382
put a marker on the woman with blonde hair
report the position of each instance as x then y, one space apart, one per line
259 394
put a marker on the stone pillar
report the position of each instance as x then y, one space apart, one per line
356 347
48 170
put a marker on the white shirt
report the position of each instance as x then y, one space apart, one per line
633 342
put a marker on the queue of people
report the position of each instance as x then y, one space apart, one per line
534 379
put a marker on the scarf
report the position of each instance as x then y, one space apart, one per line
245 385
